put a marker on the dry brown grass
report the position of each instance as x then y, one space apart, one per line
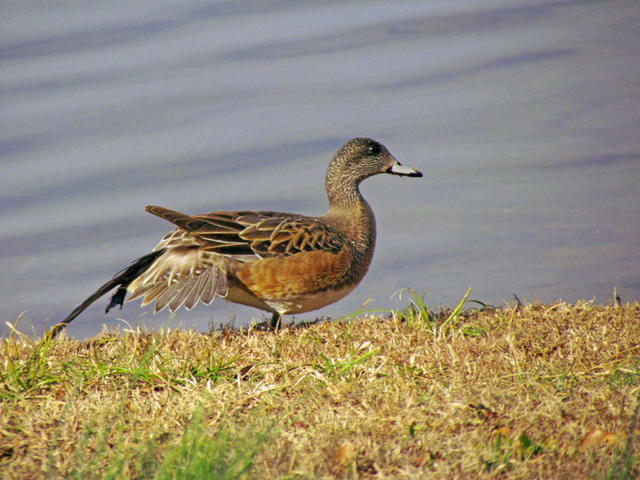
532 392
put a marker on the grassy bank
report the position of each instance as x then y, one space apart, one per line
518 392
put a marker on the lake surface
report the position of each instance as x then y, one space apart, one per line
523 115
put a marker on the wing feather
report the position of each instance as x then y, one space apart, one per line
196 292
170 291
179 298
208 288
250 236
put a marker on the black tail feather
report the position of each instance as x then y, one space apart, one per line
117 299
121 279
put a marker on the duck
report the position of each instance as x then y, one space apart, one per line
280 263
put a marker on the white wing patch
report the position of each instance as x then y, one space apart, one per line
180 276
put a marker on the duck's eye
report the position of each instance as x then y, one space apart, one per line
373 149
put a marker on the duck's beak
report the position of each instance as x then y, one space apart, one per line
398 169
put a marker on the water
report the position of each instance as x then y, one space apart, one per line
524 117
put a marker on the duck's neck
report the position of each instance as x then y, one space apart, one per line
353 217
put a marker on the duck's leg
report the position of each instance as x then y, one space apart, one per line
275 321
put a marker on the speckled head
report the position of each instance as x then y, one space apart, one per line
356 160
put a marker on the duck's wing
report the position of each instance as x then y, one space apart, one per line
198 256
249 236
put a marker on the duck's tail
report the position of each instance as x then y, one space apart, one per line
121 280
